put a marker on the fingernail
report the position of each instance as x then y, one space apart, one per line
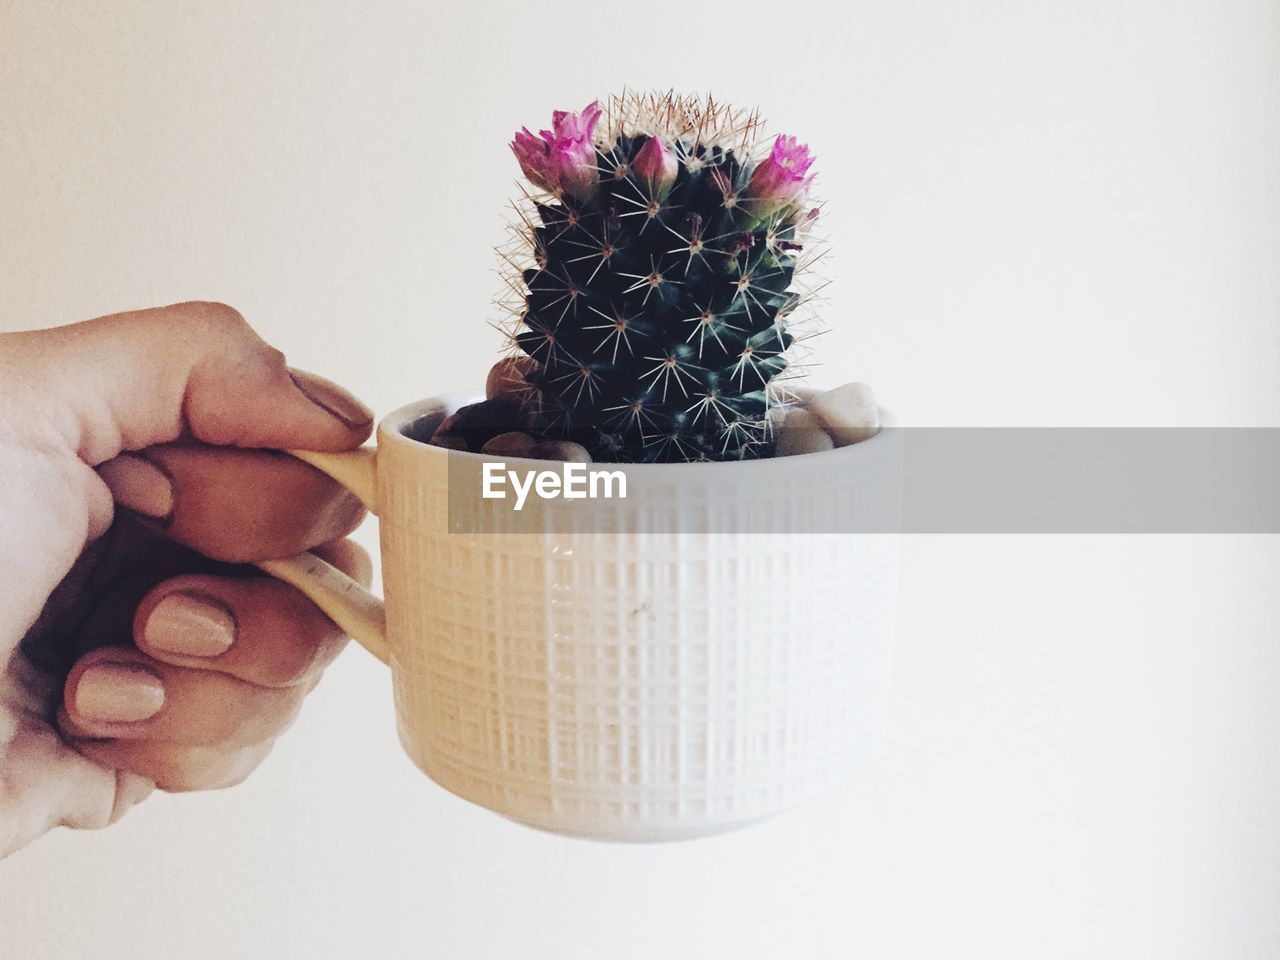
191 626
332 399
118 693
138 484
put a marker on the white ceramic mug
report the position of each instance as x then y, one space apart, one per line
654 682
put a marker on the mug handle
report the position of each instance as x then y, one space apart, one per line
345 602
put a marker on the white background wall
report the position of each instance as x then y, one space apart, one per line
1043 214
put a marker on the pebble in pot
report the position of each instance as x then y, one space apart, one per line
511 444
847 413
800 433
565 450
478 423
506 378
448 442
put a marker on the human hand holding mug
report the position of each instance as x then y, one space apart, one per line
137 478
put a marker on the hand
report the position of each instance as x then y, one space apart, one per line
138 476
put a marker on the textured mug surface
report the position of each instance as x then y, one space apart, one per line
658 681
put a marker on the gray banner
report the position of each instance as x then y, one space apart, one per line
925 480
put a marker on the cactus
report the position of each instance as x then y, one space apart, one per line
655 278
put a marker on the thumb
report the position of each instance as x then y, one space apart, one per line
197 370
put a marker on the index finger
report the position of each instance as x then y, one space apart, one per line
133 380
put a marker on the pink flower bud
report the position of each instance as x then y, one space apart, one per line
562 159
778 181
534 156
656 166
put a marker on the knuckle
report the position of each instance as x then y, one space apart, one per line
205 769
218 314
179 776
274 363
175 770
267 363
236 771
220 322
274 357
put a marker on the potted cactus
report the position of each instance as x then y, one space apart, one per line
684 657
660 294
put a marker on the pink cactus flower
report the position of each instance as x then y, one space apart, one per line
779 182
656 165
534 156
562 159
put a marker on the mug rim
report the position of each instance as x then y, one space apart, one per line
391 429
